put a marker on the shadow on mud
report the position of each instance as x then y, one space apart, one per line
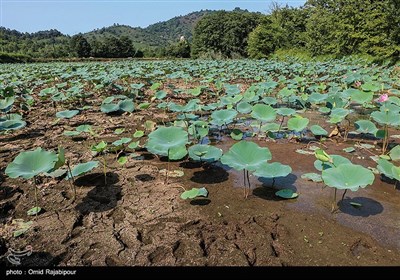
369 207
96 179
101 198
200 202
211 174
269 187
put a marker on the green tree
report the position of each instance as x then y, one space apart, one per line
224 33
80 46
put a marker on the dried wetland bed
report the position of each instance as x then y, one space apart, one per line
128 213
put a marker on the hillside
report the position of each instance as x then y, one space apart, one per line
155 35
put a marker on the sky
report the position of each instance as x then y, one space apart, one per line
74 16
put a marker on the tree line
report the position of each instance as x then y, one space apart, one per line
320 27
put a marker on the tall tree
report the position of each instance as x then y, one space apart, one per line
224 33
81 46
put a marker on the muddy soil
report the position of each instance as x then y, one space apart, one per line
133 218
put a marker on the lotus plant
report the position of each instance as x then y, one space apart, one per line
31 164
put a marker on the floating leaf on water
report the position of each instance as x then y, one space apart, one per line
33 211
312 177
172 173
313 148
349 149
365 146
286 193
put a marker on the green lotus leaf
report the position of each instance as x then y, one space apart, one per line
388 118
126 106
244 107
67 114
348 176
336 161
246 155
119 131
133 145
122 160
322 155
199 129
34 211
237 134
82 168
396 172
32 163
317 98
71 133
349 149
273 170
312 177
122 141
6 104
360 96
160 94
324 110
100 147
222 117
204 153
385 167
395 153
297 123
165 138
269 100
177 152
12 124
318 130
287 193
60 158
11 117
273 127
365 126
109 108
194 192
108 100
84 128
286 111
371 86
263 113
138 134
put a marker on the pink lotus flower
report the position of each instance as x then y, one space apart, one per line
357 83
383 98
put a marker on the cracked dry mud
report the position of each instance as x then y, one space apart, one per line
137 220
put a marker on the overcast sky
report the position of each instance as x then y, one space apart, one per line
74 16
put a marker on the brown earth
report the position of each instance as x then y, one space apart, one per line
135 219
